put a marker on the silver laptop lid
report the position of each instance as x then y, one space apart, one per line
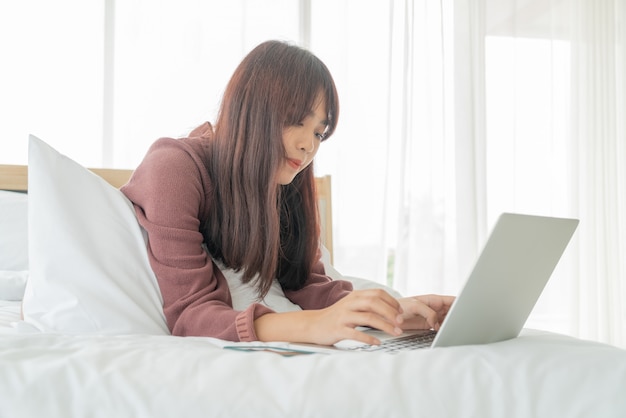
508 278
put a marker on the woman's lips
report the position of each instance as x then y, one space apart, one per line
295 164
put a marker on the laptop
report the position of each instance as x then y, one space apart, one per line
501 291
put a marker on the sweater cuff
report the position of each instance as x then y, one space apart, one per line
244 322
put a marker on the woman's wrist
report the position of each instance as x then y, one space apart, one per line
285 326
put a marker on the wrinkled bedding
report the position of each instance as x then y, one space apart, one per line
536 375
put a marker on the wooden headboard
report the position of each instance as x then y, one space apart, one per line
15 178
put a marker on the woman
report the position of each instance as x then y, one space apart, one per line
235 206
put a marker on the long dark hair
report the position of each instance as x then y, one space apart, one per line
259 226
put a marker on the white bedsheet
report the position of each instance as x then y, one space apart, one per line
536 375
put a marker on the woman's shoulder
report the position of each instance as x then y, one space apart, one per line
173 170
194 146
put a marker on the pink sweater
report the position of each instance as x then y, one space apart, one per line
172 194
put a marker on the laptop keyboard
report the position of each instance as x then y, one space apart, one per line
396 345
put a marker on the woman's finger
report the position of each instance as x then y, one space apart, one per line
377 302
413 308
437 302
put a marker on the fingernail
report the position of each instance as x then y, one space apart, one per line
397 331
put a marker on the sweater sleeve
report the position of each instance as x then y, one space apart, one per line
169 191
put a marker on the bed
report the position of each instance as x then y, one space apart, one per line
93 341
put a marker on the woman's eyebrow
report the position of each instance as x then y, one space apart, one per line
323 122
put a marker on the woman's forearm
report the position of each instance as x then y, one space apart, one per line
286 326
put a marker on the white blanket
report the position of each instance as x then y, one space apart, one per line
536 375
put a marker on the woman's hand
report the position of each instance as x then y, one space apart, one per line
373 308
425 311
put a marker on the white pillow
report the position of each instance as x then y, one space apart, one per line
89 269
357 282
13 231
12 284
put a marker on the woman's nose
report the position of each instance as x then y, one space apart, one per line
307 145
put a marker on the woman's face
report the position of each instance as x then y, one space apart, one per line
302 141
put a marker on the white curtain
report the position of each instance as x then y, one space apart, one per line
392 158
489 106
422 199
555 144
539 128
598 155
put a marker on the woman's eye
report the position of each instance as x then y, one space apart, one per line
322 136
